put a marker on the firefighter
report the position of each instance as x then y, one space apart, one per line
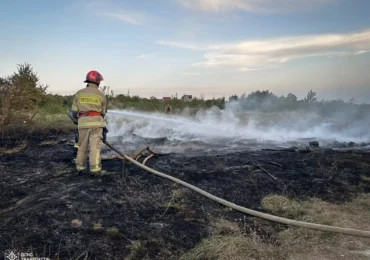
89 108
168 109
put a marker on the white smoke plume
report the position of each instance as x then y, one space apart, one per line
234 126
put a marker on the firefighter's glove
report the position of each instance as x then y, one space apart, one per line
73 116
105 131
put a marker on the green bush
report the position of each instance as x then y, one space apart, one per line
21 96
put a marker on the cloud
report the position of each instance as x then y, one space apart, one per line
167 67
259 6
190 73
127 18
146 56
115 9
194 73
251 55
248 69
180 45
361 52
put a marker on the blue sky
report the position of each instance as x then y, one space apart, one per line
215 47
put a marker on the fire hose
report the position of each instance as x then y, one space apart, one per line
286 221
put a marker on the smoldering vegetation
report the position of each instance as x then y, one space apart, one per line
259 118
49 210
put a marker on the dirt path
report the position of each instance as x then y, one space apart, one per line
135 214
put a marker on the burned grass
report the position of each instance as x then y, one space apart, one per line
133 214
17 148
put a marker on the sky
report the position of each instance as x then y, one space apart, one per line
212 48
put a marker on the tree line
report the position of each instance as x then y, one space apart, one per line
22 97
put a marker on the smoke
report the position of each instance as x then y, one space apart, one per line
234 125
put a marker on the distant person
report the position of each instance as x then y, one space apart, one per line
89 108
168 109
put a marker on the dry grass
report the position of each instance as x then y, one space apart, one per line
307 244
136 248
112 232
97 226
41 123
226 241
353 214
224 227
16 149
234 247
49 142
282 206
177 203
60 122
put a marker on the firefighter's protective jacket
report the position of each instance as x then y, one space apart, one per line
90 99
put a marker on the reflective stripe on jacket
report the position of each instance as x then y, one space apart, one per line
90 99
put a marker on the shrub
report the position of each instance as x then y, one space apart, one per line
21 95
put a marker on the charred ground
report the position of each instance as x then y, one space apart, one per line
47 209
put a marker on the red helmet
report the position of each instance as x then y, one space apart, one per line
94 76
